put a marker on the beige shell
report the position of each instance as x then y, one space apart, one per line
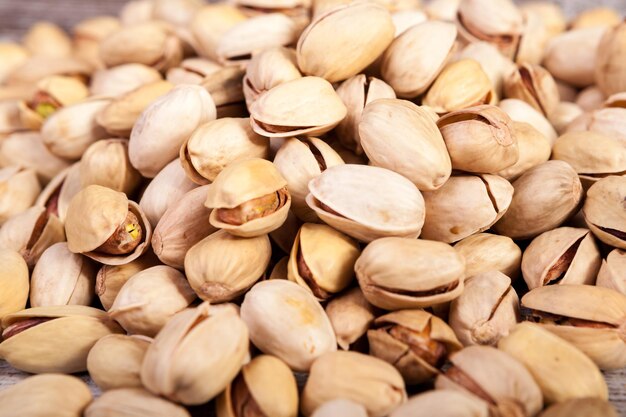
396 133
13 282
366 380
464 205
367 202
534 85
535 36
604 210
533 149
445 403
47 39
611 273
608 121
485 252
197 354
551 14
396 273
106 163
129 402
60 344
609 71
267 69
9 114
226 88
564 255
520 111
120 80
304 106
19 189
35 68
13 54
115 361
590 99
495 65
580 407
564 114
350 315
59 192
340 407
487 309
333 46
209 25
87 36
286 321
192 71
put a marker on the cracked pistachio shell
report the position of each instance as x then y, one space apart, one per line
520 111
304 106
265 384
132 402
495 377
59 192
396 133
605 210
416 57
197 354
396 273
14 283
611 273
60 344
340 407
36 395
19 189
115 361
267 69
235 197
182 225
415 342
534 85
464 205
209 25
367 202
47 39
366 380
155 140
222 266
561 256
493 146
150 298
120 80
61 277
322 260
561 370
119 116
487 309
192 71
13 55
443 403
350 315
485 252
335 46
581 407
591 318
609 71
106 163
217 144
545 196
608 121
533 149
459 85
69 131
286 321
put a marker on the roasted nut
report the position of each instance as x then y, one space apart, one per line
267 69
580 407
485 252
534 148
520 111
350 315
129 402
611 273
20 188
534 85
605 210
443 403
13 282
106 163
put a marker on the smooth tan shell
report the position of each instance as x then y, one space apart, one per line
520 111
267 69
66 184
345 408
445 403
13 282
19 190
130 402
611 273
120 80
534 148
106 163
485 251
608 121
604 208
350 315
609 71
580 407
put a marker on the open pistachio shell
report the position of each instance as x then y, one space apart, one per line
130 402
533 149
350 315
443 403
106 163
59 192
580 407
484 252
534 85
340 407
267 69
13 282
609 71
611 273
20 189
192 71
604 211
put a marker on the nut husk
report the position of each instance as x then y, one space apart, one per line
485 252
130 402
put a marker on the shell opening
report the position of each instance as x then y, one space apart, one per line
44 104
22 325
420 343
559 268
307 275
125 238
244 404
254 209
501 41
425 293
529 85
455 374
543 317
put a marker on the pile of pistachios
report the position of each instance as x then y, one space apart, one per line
327 208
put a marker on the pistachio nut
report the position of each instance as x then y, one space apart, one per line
551 15
13 282
120 80
264 387
464 205
340 407
590 99
495 377
396 133
495 65
608 121
9 114
267 69
609 70
150 298
210 24
106 163
197 354
533 148
611 273
60 191
286 321
486 310
350 315
367 202
155 140
217 144
561 370
226 88
366 380
604 210
34 68
13 54
87 36
532 44
564 255
61 277
415 342
594 17
534 85
19 189
105 226
443 403
396 273
130 402
485 252
192 71
35 396
564 114
520 111
580 407
47 39
617 100
545 196
314 108
53 338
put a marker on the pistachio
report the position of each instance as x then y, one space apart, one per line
35 68
579 407
192 71
211 23
13 282
350 315
12 55
226 88
564 114
551 15
535 36
106 163
610 60
60 191
608 121
611 272
20 188
590 99
495 65
534 85
129 402
267 69
533 147
520 111
340 407
485 252
596 17
47 39
87 36
443 402
604 210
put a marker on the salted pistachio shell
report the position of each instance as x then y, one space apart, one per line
464 205
53 338
115 361
414 59
608 121
532 44
267 69
61 277
218 143
342 407
129 402
486 310
396 273
495 377
120 80
366 380
533 149
611 274
197 354
520 111
350 315
192 71
443 402
19 190
47 39
286 321
13 282
561 370
106 163
367 202
545 196
395 133
562 256
209 25
534 85
333 47
415 342
605 212
35 396
580 407
313 108
609 70
485 252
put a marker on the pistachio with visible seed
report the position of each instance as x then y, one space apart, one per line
350 315
611 274
534 85
605 210
485 252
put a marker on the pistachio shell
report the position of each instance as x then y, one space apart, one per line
37 67
210 24
596 16
226 88
59 192
604 210
609 71
350 315
495 65
580 407
267 69
129 402
120 80
443 402
533 148
13 282
534 85
611 273
13 54
485 252
608 121
47 39
590 99
345 408
551 15
106 163
192 71
19 189
520 111
87 36
564 114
